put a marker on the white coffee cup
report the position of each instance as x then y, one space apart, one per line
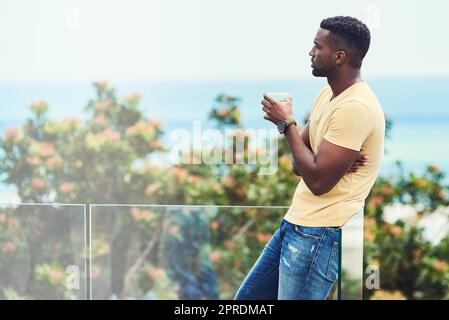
279 96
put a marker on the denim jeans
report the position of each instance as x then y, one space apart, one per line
298 263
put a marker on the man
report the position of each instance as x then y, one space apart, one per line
301 259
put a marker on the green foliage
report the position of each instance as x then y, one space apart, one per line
410 266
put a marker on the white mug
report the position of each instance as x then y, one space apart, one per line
279 96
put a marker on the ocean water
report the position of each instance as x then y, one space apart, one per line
419 108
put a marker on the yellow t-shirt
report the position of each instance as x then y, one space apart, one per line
354 120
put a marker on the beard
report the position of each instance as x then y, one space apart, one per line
323 71
318 72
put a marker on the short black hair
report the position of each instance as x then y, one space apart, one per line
352 32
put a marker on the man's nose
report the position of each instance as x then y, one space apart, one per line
311 53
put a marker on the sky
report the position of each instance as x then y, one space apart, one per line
144 40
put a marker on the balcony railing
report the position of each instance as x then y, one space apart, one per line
111 251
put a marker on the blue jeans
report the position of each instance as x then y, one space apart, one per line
298 263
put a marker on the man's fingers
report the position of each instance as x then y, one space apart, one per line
265 109
362 156
268 98
266 103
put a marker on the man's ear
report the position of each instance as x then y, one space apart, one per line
339 57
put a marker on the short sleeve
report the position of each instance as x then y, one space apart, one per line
349 125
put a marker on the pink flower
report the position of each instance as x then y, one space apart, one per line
9 247
237 264
103 105
214 225
230 245
95 272
38 184
147 215
263 237
396 231
369 236
156 273
223 113
173 230
67 188
441 266
180 174
32 161
230 182
100 121
12 134
215 187
155 123
141 128
387 190
142 215
156 144
13 224
133 99
57 247
370 223
152 188
378 200
151 167
54 162
45 149
196 179
55 275
111 135
215 256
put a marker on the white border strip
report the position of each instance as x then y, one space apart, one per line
183 206
90 252
54 204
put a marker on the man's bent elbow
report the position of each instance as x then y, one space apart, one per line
317 192
319 189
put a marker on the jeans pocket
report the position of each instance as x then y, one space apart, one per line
304 232
332 266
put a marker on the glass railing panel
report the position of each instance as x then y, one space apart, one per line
176 252
351 274
43 251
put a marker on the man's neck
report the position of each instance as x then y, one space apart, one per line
341 82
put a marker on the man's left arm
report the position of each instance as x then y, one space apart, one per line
323 171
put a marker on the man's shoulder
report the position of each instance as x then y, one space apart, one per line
363 97
326 89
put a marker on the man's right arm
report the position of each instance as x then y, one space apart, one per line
305 138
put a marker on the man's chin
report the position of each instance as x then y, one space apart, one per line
317 73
